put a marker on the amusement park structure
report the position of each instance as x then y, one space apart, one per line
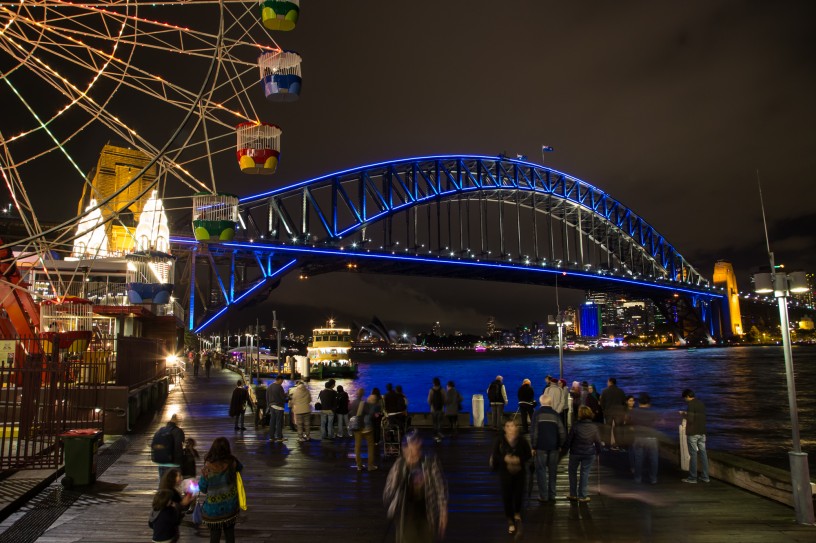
183 92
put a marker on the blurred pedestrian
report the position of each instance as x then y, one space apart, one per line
643 421
453 405
361 411
416 494
511 452
167 446
436 401
584 444
612 403
238 403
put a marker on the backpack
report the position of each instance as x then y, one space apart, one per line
437 401
494 393
163 446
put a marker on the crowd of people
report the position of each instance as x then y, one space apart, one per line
576 421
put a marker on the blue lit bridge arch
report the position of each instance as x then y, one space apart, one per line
491 218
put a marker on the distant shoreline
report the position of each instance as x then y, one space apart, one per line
459 354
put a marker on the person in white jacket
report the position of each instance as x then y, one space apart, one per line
302 410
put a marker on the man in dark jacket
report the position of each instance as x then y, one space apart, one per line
328 401
526 403
276 399
612 403
238 402
547 436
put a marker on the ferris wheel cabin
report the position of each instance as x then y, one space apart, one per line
258 147
215 216
149 277
280 14
280 75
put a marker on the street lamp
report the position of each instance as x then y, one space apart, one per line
251 348
561 321
782 285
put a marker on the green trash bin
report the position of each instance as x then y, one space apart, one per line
80 447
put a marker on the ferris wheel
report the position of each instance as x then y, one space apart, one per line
188 84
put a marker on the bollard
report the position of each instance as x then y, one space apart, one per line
478 410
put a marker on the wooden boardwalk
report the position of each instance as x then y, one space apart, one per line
312 492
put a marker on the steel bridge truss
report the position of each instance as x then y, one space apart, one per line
461 216
479 208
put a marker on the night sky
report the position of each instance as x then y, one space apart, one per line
671 108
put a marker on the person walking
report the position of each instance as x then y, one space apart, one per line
453 405
302 409
167 446
526 404
416 495
696 437
196 363
642 422
207 364
547 437
436 401
396 408
219 482
238 403
341 412
612 401
276 402
497 396
328 402
583 443
362 410
510 455
377 415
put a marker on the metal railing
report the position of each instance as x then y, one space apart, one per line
46 388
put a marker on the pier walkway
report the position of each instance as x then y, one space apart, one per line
312 492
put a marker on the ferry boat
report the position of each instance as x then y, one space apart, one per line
328 353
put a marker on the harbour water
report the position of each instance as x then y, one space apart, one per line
744 388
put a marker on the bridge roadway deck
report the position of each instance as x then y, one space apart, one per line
311 492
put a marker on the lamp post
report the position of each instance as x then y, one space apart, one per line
560 321
251 348
782 284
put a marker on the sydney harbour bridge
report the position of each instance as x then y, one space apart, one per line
470 217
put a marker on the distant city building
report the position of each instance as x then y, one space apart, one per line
620 316
491 326
590 319
808 297
437 329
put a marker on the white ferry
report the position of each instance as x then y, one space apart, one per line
328 353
